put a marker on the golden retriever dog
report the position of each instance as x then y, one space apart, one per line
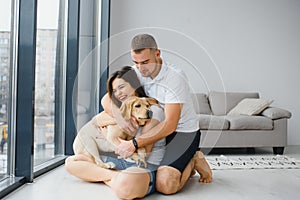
89 143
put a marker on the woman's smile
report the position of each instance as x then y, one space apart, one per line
122 98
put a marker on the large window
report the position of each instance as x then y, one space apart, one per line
32 88
41 86
49 67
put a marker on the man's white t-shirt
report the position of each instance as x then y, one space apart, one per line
171 86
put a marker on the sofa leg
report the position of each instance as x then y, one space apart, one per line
250 150
278 150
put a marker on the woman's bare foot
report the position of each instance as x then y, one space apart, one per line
202 167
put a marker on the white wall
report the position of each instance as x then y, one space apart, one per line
232 45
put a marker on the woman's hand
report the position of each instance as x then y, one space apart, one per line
130 127
125 148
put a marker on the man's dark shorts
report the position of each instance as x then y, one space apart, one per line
181 147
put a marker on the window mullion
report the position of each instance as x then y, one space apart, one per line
25 89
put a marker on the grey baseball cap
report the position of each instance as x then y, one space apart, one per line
143 41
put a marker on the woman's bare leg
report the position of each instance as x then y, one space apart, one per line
127 184
84 168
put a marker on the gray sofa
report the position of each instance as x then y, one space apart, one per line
268 128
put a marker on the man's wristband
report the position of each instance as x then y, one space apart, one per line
135 144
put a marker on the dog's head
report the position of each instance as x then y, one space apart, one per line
139 108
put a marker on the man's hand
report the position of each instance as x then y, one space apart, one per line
125 148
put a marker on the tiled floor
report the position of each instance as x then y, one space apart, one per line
227 184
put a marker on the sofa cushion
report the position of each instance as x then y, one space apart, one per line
222 102
276 113
244 122
250 106
213 122
201 103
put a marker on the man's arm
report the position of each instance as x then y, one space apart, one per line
162 130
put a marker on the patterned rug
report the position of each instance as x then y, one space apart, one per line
252 162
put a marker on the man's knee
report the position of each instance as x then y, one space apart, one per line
167 180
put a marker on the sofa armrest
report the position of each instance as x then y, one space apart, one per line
276 113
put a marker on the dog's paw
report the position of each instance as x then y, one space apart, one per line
111 165
142 163
108 165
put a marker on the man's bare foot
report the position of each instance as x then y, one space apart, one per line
202 167
193 172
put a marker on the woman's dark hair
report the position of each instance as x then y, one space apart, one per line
128 74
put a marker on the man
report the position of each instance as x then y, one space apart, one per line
181 127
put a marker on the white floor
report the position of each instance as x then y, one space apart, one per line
227 184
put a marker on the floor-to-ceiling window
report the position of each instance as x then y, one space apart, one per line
33 43
50 44
39 62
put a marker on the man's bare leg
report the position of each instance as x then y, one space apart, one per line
199 164
202 167
169 180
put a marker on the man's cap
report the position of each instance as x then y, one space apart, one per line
143 41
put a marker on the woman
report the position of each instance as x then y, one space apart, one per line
121 85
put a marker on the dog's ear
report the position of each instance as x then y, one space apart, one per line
126 107
152 101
